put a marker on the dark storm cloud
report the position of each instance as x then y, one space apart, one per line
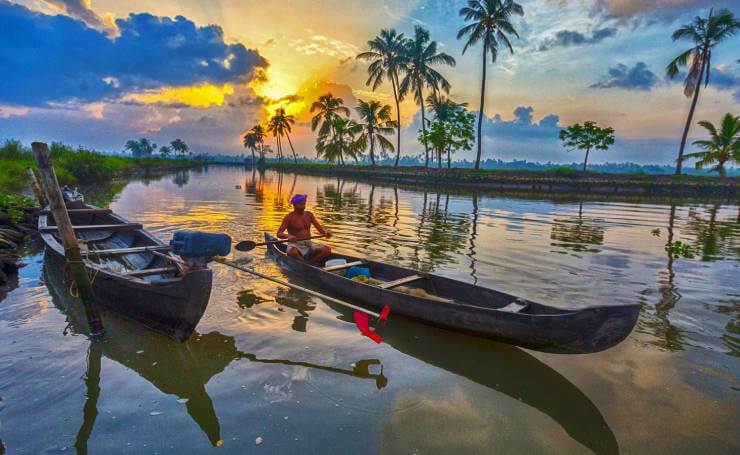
639 77
565 38
57 58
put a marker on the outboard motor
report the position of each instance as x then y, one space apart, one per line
197 249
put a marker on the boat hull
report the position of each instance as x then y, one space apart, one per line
547 329
171 305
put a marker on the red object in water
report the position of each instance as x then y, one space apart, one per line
362 320
384 314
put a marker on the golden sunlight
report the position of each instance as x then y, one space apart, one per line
202 95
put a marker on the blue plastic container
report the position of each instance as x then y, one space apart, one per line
200 244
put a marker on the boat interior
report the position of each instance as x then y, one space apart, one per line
432 287
119 246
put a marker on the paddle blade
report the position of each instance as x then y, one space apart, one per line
362 323
245 245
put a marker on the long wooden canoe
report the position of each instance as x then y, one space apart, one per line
130 271
464 307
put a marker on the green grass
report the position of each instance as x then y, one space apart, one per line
72 166
13 205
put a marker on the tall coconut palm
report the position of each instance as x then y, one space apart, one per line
490 22
387 56
342 142
705 33
254 140
275 127
722 146
377 123
284 124
327 108
421 55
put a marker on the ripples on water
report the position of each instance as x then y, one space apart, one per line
274 363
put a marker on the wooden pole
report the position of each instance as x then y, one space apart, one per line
36 188
74 264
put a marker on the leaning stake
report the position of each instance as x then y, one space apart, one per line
74 264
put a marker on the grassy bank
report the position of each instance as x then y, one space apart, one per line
555 180
73 167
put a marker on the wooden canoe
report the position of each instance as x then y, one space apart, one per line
464 307
129 272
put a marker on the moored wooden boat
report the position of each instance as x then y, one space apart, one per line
130 271
464 307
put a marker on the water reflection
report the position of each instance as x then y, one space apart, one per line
180 369
505 369
713 238
576 233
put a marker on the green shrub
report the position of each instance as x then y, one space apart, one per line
13 205
13 150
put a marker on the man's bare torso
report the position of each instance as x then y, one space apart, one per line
299 225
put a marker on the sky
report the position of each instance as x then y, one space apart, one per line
100 72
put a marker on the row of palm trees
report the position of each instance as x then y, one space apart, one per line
408 64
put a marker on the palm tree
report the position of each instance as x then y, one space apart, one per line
490 22
377 122
342 142
421 55
705 33
442 107
327 108
274 126
165 151
284 124
387 55
254 140
721 147
179 146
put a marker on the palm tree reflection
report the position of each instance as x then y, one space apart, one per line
576 233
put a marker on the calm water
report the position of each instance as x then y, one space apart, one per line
272 363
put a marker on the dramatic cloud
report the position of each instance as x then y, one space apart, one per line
639 77
565 38
664 10
57 58
724 77
80 9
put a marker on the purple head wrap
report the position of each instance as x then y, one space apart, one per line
299 198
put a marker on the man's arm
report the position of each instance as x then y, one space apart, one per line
281 230
319 227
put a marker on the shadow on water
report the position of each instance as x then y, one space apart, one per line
505 369
180 369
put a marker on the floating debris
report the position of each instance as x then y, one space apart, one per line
155 413
258 441
183 400
139 352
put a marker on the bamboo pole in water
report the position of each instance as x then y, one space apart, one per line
36 187
74 263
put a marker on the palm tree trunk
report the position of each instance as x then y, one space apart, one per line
449 162
482 102
585 161
439 159
398 120
372 146
679 161
424 129
295 159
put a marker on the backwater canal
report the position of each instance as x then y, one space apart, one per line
274 364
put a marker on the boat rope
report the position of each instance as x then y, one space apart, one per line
73 291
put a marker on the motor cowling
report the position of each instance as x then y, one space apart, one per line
197 248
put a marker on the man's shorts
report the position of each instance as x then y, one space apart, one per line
305 247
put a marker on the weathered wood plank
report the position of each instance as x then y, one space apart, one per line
332 268
80 211
121 251
400 281
98 227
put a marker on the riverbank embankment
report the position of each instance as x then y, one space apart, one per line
554 181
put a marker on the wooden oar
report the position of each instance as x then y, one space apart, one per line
248 245
359 311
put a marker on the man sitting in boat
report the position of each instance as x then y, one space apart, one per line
298 223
